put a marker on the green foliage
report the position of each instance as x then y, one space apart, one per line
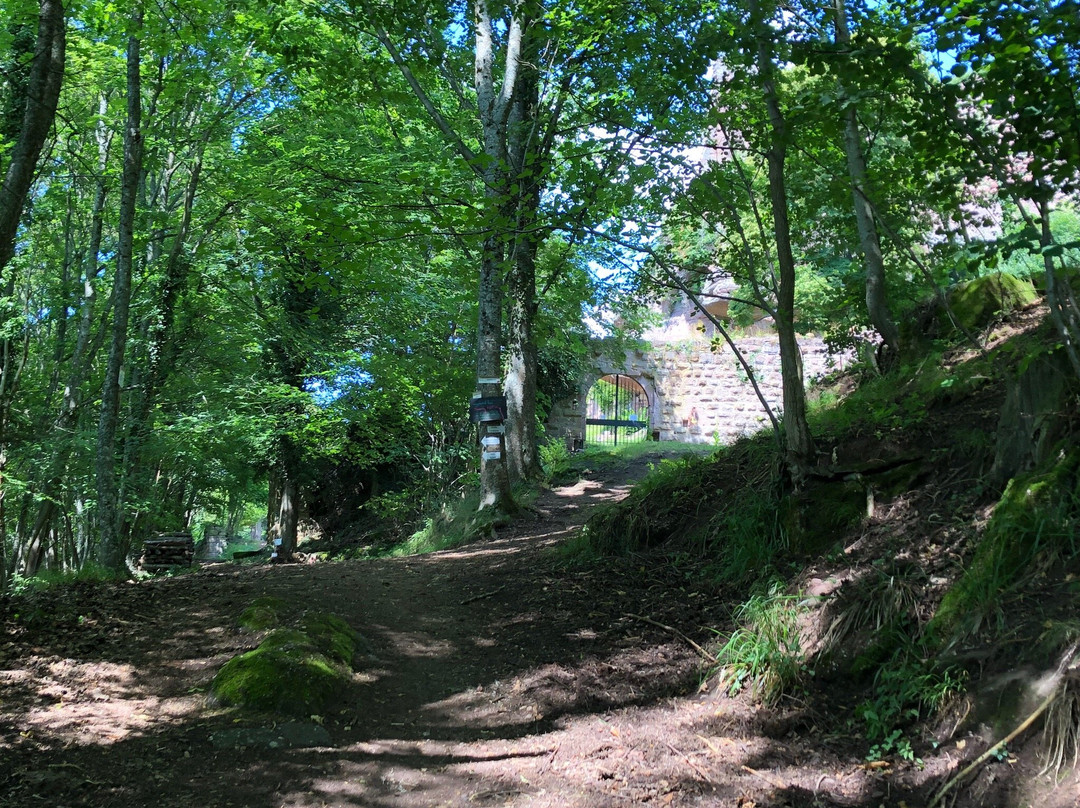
455 523
723 507
659 507
47 579
906 688
555 459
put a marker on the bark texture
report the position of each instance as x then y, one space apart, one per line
41 94
523 457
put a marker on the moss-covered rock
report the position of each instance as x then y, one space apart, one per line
332 636
287 674
263 614
977 303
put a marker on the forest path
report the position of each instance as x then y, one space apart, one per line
498 677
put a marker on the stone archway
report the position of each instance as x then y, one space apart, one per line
617 409
697 391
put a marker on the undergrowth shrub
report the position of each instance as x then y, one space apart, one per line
746 538
724 508
765 654
454 524
662 505
90 571
876 605
554 458
909 686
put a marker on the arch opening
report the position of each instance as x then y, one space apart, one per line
616 411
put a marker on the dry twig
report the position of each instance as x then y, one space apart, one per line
475 598
771 781
1063 666
692 765
701 651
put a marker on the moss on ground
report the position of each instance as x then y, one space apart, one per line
263 614
1034 523
332 636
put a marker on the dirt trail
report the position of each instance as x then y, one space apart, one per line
496 678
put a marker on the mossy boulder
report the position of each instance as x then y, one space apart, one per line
287 674
264 613
332 636
977 303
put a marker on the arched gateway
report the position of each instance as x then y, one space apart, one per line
616 411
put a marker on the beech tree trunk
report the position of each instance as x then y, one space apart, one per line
877 300
494 110
523 457
798 444
496 101
111 550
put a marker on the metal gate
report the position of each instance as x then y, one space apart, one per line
617 409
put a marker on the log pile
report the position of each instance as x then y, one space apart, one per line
167 550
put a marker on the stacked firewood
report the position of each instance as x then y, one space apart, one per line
167 550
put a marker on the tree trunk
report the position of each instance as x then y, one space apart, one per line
877 302
288 517
523 458
493 109
798 444
42 94
111 550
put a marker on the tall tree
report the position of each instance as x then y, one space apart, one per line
798 443
33 94
877 300
112 547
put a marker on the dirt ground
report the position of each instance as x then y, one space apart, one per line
497 676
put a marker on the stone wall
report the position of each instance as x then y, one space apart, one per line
696 394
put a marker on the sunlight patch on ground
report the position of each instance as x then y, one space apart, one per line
93 703
417 644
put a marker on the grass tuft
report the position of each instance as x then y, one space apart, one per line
765 654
